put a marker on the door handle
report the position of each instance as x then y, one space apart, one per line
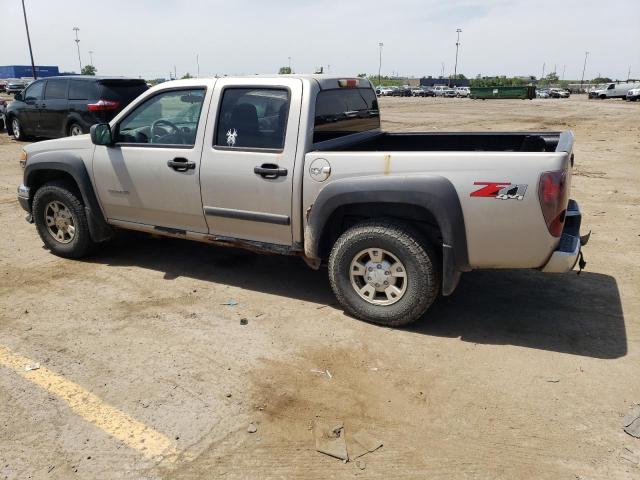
180 164
270 170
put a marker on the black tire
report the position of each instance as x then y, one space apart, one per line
19 133
62 192
73 127
407 245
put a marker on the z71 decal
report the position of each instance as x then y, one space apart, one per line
500 190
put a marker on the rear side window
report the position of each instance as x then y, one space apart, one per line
253 118
345 111
122 91
55 90
83 90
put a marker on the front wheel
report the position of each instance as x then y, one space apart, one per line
383 273
61 220
18 132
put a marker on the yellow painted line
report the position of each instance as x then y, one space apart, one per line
135 434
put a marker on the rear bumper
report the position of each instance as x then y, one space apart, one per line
566 254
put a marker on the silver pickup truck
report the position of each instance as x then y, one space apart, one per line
298 165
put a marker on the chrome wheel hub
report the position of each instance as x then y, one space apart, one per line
75 130
378 276
15 125
59 222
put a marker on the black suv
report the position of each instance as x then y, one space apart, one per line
60 106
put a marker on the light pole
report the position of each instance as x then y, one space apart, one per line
76 29
26 25
564 68
91 57
544 64
584 67
455 68
380 45
442 71
289 64
198 64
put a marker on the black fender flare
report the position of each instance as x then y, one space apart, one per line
73 165
434 193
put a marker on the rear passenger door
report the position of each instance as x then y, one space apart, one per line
54 108
248 159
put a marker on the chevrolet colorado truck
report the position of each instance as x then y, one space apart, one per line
298 165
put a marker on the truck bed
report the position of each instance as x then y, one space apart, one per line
445 141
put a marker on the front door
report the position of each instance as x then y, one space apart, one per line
29 115
248 160
151 175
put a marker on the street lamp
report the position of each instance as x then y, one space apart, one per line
26 25
455 68
77 40
91 56
584 67
380 45
289 64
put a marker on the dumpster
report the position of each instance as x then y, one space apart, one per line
483 93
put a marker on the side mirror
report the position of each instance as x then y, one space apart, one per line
101 134
18 96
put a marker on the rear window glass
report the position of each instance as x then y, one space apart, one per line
83 90
124 92
345 111
55 89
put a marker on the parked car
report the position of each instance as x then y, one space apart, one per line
428 92
613 90
298 165
384 91
559 93
3 108
403 91
462 91
542 93
417 92
15 86
633 94
444 91
3 85
61 106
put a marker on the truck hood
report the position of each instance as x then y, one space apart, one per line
79 142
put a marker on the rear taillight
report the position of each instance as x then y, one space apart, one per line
102 105
552 192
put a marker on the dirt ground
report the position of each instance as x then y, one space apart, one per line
145 374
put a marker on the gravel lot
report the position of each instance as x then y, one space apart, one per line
144 373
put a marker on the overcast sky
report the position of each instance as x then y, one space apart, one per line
148 37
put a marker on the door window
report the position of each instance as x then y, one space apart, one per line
169 118
55 90
253 118
34 92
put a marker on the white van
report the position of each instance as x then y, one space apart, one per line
614 90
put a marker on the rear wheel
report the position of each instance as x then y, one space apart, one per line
383 273
75 129
61 220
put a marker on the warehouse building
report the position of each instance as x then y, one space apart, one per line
21 71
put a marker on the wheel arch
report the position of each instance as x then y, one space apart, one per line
72 169
428 202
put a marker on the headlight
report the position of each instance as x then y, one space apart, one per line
23 159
